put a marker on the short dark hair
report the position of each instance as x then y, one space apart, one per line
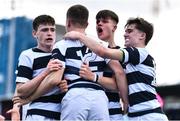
78 15
105 14
143 26
43 19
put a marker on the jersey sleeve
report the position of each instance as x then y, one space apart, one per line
24 70
134 55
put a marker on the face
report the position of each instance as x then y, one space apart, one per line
133 37
105 29
45 35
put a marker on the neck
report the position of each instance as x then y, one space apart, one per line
47 49
81 30
111 43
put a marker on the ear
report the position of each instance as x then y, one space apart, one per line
87 24
34 34
114 28
68 23
143 35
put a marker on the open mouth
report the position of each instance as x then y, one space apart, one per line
49 39
99 30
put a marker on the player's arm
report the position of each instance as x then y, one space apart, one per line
49 82
106 82
26 89
121 82
95 46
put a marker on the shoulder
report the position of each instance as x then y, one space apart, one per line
27 52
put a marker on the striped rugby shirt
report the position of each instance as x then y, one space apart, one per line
139 66
72 54
31 63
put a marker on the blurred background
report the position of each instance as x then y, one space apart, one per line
15 35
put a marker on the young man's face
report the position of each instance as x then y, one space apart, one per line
105 28
45 35
133 37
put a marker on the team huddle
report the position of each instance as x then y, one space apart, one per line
79 78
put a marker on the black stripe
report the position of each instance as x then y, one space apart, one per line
149 61
108 74
107 71
50 99
79 80
38 50
114 111
82 85
41 62
138 77
112 96
24 71
46 113
99 64
140 97
56 54
71 70
156 110
134 56
71 53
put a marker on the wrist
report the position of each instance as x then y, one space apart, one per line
96 77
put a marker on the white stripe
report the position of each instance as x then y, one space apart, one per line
138 87
144 106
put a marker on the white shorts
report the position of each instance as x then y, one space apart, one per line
38 118
85 104
150 117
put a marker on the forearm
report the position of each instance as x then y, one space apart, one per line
121 80
52 80
95 46
100 50
26 89
108 83
122 87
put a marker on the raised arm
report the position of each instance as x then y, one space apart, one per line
95 46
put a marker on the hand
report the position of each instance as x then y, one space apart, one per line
54 65
63 86
20 101
72 35
15 114
2 118
86 73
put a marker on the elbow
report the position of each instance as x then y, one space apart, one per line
102 52
21 92
120 72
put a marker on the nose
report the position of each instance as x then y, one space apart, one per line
50 32
125 34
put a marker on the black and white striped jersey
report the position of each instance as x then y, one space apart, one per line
139 66
31 63
72 54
